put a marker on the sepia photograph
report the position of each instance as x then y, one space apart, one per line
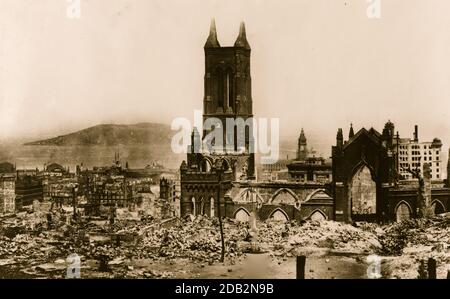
230 140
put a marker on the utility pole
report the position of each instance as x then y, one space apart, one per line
74 191
397 175
219 174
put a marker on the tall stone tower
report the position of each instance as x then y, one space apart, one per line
302 151
209 172
228 96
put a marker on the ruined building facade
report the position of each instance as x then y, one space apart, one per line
367 184
413 153
18 188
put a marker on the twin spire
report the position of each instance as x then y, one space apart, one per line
241 41
213 42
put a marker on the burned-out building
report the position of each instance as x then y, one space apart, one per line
28 189
7 188
18 188
414 153
362 182
367 185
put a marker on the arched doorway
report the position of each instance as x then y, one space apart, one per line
202 207
438 207
242 215
403 212
206 165
363 194
279 215
318 216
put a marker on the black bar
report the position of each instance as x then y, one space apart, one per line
431 268
301 261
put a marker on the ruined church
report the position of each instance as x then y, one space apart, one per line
361 183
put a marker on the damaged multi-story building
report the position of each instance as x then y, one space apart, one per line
106 188
18 188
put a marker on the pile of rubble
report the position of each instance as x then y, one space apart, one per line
324 234
395 238
413 242
196 240
41 241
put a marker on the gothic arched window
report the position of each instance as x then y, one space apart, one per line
229 87
219 87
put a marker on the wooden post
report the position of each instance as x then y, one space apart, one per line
74 202
301 261
103 265
431 268
219 173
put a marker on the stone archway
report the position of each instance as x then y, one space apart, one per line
279 215
363 194
318 215
242 215
402 212
438 207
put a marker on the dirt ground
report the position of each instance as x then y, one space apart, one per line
252 266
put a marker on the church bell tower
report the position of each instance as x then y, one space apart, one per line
228 92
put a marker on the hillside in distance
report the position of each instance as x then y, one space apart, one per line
112 135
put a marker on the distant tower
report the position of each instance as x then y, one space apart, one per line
351 132
302 151
339 138
389 134
195 141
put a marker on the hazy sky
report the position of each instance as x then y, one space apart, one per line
317 64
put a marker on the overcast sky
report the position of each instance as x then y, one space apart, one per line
317 64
